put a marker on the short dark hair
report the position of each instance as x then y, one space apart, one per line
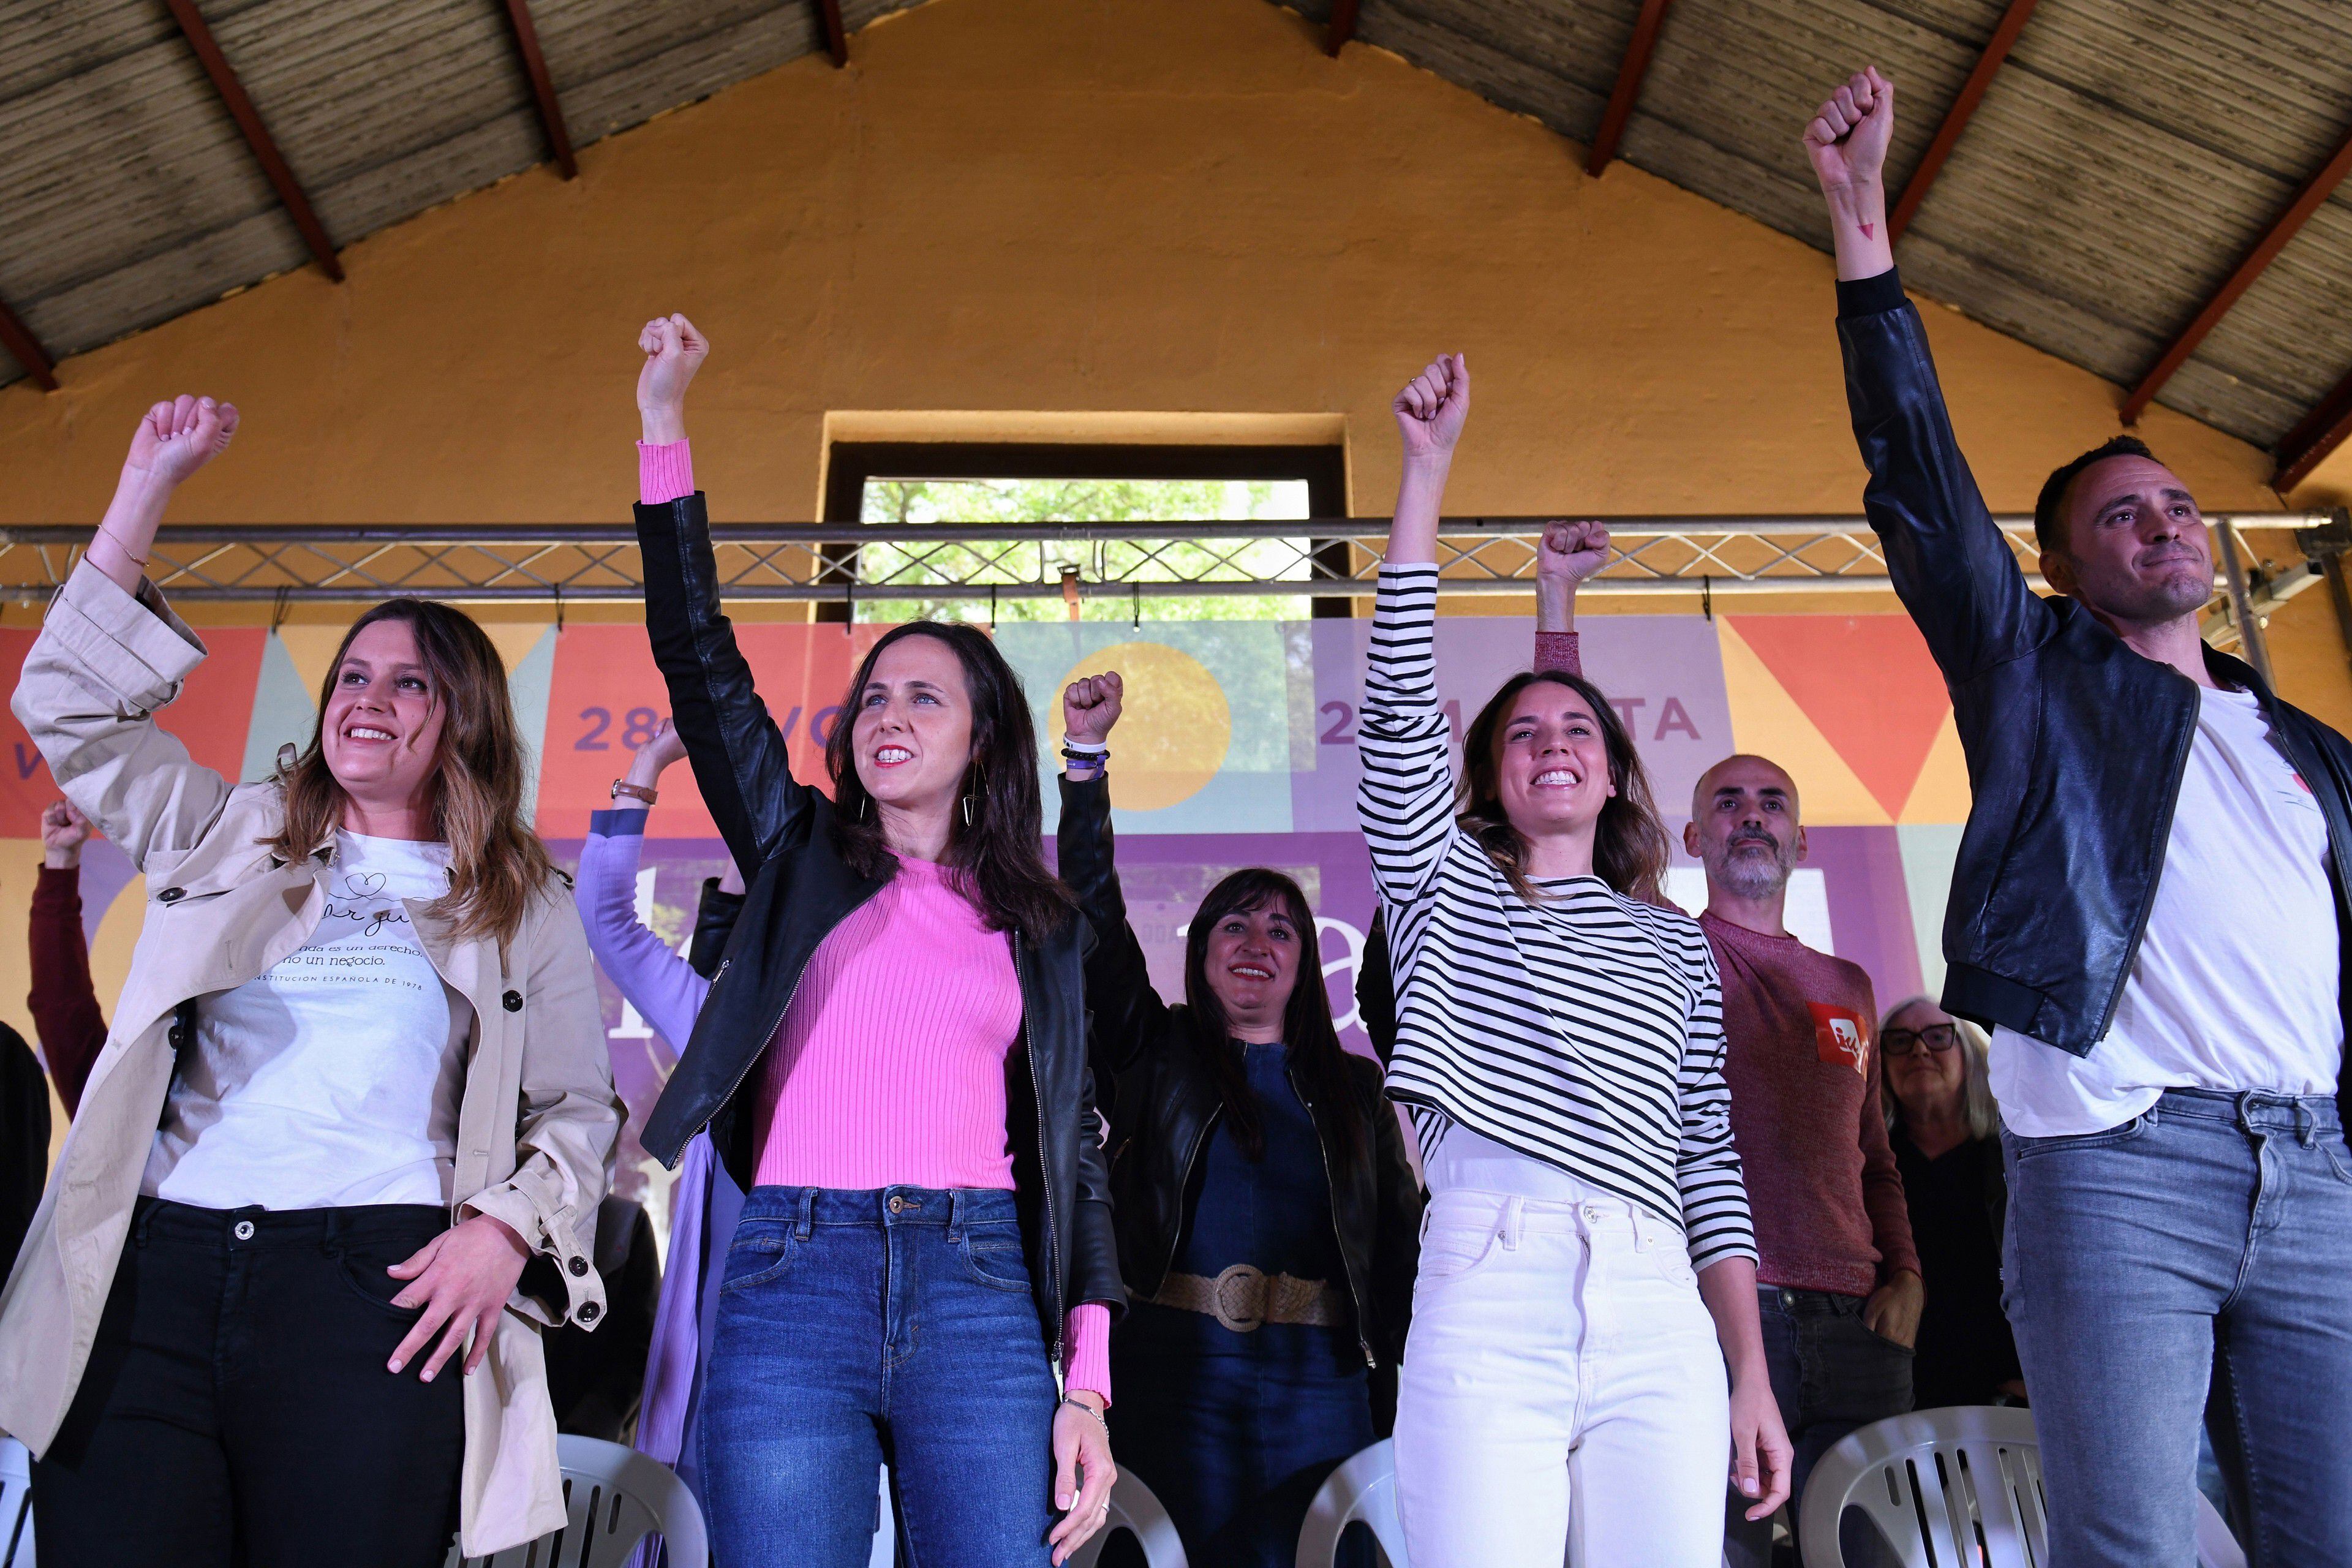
2050 506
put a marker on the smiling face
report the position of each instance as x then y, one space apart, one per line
1925 1079
1551 762
381 734
1251 963
1744 826
2136 551
911 740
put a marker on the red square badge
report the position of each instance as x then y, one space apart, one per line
1841 1036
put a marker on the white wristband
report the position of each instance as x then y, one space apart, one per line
1092 748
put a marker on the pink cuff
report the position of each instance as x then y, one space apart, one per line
665 473
1088 1363
1555 651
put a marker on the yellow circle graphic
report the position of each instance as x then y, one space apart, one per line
1175 726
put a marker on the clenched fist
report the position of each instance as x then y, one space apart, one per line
179 436
674 351
1571 552
1090 707
1847 137
1433 408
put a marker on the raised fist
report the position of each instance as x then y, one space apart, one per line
674 351
1090 707
1433 408
62 826
177 438
665 748
1571 552
1847 137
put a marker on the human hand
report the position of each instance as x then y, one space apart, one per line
666 747
674 351
1570 552
1090 707
463 1278
176 437
64 830
1893 1310
1082 1472
1761 1455
1432 409
1846 139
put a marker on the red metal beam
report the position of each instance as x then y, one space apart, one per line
1955 118
542 88
2318 434
1342 27
836 37
1628 91
257 134
2307 201
26 349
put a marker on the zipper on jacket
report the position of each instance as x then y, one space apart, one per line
1183 1185
2148 900
1045 1175
1363 1343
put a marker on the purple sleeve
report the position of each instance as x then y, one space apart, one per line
1558 651
665 473
661 985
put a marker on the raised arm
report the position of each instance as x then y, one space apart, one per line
663 987
111 654
739 754
1126 1009
1565 556
1951 567
64 1002
1405 801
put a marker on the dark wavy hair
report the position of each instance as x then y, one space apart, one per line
1325 1073
1629 847
997 860
497 863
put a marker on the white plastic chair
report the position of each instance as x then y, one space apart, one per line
16 1505
1958 1485
615 1497
1134 1509
1361 1491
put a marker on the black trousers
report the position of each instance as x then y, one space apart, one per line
237 1412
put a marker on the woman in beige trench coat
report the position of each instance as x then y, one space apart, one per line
339 1161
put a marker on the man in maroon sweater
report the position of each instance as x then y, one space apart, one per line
1837 1278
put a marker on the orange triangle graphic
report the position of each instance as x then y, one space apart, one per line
1867 683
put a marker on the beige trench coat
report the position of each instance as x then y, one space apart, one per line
536 1127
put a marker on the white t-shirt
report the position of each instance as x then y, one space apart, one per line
2235 983
333 1078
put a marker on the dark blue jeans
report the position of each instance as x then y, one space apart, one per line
860 1328
2205 1244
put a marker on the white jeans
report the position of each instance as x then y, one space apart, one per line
1563 1396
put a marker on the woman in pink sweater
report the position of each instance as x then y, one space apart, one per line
892 1062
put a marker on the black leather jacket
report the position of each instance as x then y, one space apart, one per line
1167 1104
2075 744
779 830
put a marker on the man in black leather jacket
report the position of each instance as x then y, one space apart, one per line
2149 910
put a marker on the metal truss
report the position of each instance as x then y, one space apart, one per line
585 562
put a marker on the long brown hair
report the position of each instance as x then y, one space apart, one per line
496 864
996 859
1629 845
1324 1070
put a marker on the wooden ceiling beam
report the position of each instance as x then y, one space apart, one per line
837 34
257 134
1957 117
2315 438
542 88
1342 27
2256 262
1628 91
26 349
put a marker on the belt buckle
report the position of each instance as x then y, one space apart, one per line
1243 1284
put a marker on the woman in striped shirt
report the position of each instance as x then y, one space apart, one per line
1587 1269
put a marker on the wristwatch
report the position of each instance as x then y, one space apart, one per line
637 792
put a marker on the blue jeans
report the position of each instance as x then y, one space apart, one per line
860 1328
2205 1244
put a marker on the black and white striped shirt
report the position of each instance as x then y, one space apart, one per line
1585 1031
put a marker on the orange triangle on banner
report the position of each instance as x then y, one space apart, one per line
1867 683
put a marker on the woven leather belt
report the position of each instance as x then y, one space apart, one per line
1242 1298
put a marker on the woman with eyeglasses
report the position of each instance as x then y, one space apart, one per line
1946 1139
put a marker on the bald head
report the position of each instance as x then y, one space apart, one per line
1741 773
1743 828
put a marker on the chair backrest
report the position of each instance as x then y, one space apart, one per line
1361 1492
1134 1509
615 1497
1961 1484
16 1505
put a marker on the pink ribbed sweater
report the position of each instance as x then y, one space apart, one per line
888 1068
